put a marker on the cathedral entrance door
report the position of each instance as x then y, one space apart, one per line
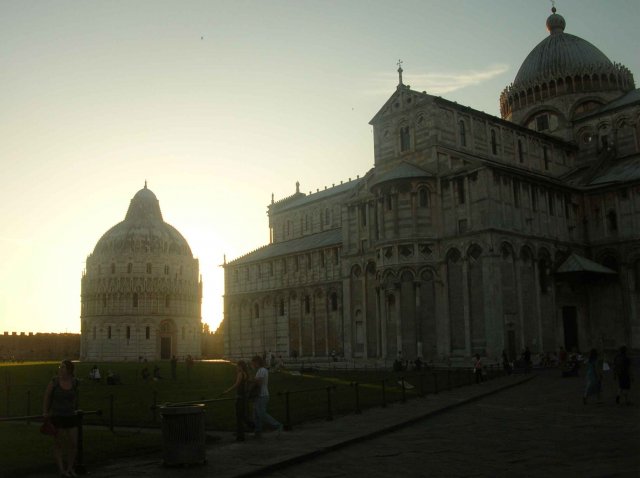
570 325
165 348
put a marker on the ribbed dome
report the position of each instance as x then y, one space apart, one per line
560 54
143 230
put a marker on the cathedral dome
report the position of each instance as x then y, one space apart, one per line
558 54
143 230
560 66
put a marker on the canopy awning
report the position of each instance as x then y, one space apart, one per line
576 263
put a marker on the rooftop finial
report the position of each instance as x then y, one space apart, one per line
399 72
297 187
145 184
555 23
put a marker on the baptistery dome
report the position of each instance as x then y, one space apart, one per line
562 77
143 229
141 290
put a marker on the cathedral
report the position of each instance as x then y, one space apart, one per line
141 291
470 234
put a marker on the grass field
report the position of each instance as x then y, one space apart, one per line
129 406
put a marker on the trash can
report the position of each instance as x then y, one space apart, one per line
183 436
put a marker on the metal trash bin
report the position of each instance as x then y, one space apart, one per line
183 436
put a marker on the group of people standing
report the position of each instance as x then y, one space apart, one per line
254 389
595 371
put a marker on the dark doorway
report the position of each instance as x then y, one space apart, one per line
570 324
511 344
165 348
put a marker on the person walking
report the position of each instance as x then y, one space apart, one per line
240 386
526 356
174 368
477 368
622 372
593 386
506 364
60 405
260 414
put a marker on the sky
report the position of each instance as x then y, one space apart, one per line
218 105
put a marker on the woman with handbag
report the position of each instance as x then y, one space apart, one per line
60 404
241 386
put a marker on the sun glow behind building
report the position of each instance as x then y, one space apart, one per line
218 105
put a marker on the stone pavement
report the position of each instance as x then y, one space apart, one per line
538 429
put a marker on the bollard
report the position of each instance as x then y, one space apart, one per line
404 391
384 395
287 423
154 407
28 406
80 468
329 411
357 390
435 383
111 412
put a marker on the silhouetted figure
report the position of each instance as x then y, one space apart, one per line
174 367
477 368
622 372
594 377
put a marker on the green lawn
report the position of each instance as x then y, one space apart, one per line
22 387
31 451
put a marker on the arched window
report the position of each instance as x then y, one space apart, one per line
281 307
612 221
108 331
129 268
423 197
113 268
545 157
128 332
544 274
135 299
520 151
334 301
494 142
462 132
405 139
307 304
148 267
256 311
167 301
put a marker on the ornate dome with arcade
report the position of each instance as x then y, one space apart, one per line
561 65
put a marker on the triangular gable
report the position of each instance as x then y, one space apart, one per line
398 102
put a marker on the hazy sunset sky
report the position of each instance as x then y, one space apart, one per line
219 104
